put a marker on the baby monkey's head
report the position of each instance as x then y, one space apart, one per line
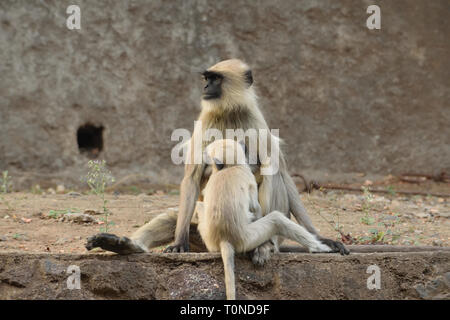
226 153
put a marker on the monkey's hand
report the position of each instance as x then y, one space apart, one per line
262 254
182 247
335 246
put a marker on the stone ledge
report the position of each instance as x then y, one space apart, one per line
404 275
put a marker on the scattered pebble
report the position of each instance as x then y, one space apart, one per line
380 199
77 217
92 212
141 196
395 203
74 194
38 214
444 214
61 241
435 235
421 214
60 188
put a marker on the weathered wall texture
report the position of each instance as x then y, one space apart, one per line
345 98
412 275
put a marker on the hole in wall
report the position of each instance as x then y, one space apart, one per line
90 140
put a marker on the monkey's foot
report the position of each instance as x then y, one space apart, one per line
177 248
335 246
262 254
111 242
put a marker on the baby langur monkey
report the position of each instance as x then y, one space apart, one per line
230 217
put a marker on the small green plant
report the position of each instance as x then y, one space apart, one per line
5 182
391 190
97 179
377 236
134 190
55 214
5 187
17 236
395 236
107 224
335 224
36 189
366 207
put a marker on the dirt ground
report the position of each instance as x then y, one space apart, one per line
60 222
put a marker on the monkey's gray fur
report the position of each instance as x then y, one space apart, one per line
229 102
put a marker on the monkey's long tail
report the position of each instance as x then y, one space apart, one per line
295 204
227 251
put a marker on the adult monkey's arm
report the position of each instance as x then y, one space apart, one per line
189 192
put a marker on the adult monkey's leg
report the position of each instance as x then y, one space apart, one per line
158 232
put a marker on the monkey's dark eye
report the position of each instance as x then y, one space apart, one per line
212 77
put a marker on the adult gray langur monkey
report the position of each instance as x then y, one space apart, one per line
229 102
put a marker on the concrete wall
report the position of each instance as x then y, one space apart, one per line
345 98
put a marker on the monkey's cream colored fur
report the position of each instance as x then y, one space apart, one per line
230 219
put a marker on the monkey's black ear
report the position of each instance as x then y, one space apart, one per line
249 77
219 164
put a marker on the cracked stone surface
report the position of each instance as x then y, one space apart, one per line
407 275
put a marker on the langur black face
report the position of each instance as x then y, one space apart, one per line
213 87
